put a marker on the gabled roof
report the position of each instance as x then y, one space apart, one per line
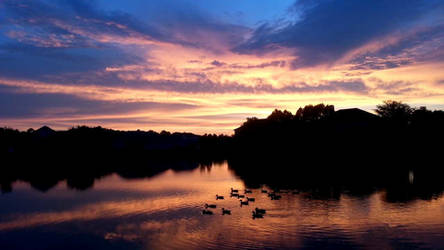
44 131
354 114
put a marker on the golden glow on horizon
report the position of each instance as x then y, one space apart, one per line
235 86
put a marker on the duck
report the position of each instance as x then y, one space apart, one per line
243 202
264 191
226 211
240 196
210 205
251 199
234 190
219 197
208 212
257 215
247 191
234 195
260 211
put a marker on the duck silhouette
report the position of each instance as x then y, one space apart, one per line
226 211
260 211
243 202
257 215
207 212
210 205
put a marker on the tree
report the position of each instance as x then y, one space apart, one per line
395 111
317 112
279 115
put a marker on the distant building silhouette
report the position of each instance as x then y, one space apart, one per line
354 119
44 131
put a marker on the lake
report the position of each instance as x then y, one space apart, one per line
165 212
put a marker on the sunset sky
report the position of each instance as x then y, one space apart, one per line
203 66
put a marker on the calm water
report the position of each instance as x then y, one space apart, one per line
164 212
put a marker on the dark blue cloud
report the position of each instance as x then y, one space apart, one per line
41 38
14 104
323 31
175 22
187 24
59 17
425 45
31 62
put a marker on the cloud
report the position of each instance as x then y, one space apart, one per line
50 38
354 86
109 62
419 45
16 104
82 23
394 88
199 87
27 61
217 63
43 38
223 117
244 66
351 86
280 64
188 25
73 23
325 31
211 87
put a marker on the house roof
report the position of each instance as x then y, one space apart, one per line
354 114
44 131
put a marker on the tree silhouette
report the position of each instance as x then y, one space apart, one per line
317 112
278 115
395 111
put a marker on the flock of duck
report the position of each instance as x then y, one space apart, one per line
244 201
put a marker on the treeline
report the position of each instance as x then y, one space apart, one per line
46 142
327 152
316 131
396 134
316 143
44 157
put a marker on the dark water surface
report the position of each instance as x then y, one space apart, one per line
164 212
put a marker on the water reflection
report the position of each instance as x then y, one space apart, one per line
164 212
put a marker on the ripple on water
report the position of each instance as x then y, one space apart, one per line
165 213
